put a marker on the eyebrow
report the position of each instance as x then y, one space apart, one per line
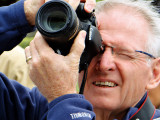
119 48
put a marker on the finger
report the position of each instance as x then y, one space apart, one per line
34 52
40 43
78 45
27 51
74 3
27 54
89 5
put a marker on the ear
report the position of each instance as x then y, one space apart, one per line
155 80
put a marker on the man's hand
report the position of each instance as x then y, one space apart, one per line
55 75
31 8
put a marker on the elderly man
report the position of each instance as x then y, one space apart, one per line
118 79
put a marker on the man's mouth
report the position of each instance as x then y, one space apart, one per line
104 84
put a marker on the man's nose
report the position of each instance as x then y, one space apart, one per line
106 61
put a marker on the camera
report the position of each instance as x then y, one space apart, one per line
156 3
59 25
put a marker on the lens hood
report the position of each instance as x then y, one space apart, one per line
57 21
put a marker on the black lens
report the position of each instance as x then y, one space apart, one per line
56 20
53 19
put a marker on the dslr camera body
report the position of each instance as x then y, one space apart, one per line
156 3
59 25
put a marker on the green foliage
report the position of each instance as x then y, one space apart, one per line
26 41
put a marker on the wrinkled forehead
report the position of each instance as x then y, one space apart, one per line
126 21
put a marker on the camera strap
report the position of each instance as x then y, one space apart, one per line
145 112
84 79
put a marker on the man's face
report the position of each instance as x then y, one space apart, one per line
117 81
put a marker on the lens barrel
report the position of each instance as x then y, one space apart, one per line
58 23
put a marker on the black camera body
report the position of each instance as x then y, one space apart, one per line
156 3
59 24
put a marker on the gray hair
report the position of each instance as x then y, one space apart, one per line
149 13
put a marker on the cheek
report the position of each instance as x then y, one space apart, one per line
134 80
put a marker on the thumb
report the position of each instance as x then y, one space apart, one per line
78 45
89 5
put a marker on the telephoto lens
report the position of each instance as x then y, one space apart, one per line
58 23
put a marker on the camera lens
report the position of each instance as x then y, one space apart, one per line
57 21
53 19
